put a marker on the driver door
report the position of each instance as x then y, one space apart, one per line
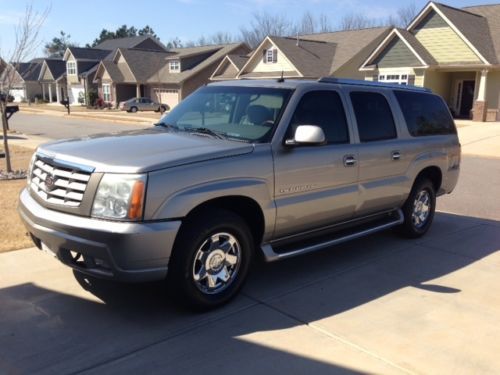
316 185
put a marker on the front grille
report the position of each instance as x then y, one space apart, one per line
57 184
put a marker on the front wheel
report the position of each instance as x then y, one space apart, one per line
419 209
211 259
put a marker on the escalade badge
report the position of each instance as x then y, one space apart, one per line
50 182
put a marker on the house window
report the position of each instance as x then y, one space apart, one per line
174 66
106 92
71 68
270 55
400 79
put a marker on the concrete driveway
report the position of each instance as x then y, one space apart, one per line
377 305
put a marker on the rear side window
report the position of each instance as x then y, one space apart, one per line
425 114
373 115
323 109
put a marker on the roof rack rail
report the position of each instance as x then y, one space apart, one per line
358 82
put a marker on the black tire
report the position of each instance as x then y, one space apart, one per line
133 109
194 234
414 226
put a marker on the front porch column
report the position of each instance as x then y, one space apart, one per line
43 91
58 93
480 105
138 91
50 93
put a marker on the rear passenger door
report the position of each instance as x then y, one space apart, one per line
316 185
381 170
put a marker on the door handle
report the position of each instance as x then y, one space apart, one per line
349 160
396 155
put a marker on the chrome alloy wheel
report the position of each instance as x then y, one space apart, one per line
216 263
421 209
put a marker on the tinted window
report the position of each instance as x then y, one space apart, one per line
324 109
373 115
425 114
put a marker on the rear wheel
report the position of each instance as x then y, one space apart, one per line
133 109
419 209
211 259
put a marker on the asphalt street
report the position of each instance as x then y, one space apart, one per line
55 127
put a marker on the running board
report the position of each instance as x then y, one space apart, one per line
271 255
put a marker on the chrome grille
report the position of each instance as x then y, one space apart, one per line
56 184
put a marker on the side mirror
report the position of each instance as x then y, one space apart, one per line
307 135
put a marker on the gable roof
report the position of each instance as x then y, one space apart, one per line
411 42
471 28
492 15
88 54
311 58
351 43
143 64
131 42
219 51
29 71
229 67
238 60
56 67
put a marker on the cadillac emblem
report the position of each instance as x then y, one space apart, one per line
50 182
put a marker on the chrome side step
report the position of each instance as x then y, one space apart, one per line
271 255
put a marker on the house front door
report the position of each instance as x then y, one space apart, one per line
467 98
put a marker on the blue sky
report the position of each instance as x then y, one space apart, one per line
186 19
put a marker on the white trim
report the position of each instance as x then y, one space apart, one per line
377 50
68 69
259 50
174 66
411 48
226 58
106 92
424 13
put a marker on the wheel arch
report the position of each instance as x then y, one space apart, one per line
434 174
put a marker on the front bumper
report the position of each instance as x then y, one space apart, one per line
122 251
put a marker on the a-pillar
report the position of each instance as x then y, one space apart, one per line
138 91
480 105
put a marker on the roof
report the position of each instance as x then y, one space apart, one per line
311 58
492 15
238 60
89 54
351 43
57 67
29 71
130 42
474 27
143 64
219 51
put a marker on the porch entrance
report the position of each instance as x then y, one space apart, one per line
466 98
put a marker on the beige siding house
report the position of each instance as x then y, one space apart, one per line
307 56
167 76
454 52
22 80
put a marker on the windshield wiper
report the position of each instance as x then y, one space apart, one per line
206 131
168 126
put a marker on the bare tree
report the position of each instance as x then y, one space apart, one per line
27 40
406 14
264 24
354 21
325 26
307 24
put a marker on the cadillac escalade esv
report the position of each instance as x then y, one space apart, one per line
277 168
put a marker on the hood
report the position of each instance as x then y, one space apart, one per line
142 151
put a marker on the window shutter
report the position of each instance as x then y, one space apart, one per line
264 55
411 79
275 55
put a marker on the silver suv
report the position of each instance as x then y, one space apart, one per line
277 168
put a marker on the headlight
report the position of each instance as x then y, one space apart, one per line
120 197
30 169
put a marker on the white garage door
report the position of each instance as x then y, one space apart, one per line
170 97
18 95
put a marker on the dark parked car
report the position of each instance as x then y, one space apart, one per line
142 104
3 96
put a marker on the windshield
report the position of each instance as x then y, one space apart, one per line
240 113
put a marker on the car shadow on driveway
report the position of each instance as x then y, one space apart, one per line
273 324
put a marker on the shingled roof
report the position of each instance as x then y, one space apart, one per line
132 42
57 68
89 54
29 71
492 15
